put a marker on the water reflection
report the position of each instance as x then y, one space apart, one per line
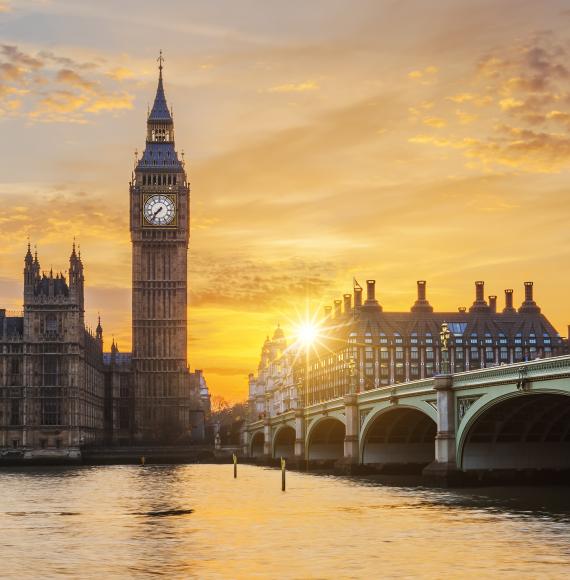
197 521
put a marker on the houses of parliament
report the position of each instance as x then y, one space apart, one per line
59 391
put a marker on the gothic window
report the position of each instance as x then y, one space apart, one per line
399 353
429 353
50 374
15 412
489 357
429 339
397 338
414 354
414 338
51 323
383 339
504 353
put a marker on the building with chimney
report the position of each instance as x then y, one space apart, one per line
51 368
360 343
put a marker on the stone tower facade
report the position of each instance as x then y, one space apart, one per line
160 227
51 368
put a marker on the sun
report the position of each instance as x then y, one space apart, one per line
307 334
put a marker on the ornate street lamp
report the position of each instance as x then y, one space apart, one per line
352 374
444 336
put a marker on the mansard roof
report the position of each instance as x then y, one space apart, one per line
462 324
159 156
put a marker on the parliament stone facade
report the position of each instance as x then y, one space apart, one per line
59 392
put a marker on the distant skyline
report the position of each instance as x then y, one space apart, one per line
324 140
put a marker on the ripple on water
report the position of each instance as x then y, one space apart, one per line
197 521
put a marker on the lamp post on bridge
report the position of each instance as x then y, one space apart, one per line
444 336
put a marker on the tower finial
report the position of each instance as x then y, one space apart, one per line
160 60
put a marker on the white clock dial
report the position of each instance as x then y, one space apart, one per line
159 210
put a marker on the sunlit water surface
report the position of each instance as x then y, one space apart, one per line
196 521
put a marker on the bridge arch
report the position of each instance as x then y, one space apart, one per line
325 439
517 431
401 436
284 442
257 444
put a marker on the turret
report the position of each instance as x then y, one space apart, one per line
29 275
99 331
76 278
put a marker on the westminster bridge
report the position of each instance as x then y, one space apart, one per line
504 419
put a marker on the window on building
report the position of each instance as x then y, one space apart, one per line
429 353
384 353
399 353
474 354
414 353
504 354
489 356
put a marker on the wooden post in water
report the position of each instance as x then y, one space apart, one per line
234 456
282 474
142 459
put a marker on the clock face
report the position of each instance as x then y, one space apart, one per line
159 210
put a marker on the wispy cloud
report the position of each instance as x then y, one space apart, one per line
302 87
34 85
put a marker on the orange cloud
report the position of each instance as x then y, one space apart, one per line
295 87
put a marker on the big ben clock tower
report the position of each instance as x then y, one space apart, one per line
160 227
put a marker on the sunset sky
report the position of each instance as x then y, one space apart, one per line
324 139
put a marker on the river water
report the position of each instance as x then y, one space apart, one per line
196 521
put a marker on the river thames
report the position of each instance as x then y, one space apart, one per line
196 521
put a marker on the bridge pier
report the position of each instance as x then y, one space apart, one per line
299 435
267 439
351 452
443 470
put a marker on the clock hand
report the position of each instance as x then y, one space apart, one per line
157 212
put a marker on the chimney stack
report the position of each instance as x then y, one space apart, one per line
480 291
509 300
529 305
421 303
493 303
357 297
479 304
347 303
337 308
528 291
328 311
421 290
370 290
462 309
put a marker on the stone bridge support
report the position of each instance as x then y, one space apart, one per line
267 438
444 468
352 428
299 434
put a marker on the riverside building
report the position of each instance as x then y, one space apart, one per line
361 347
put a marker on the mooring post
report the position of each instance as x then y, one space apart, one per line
142 459
234 456
282 474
